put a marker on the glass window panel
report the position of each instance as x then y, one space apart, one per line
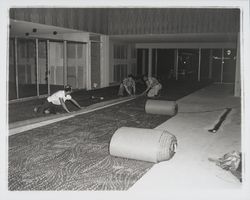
26 64
12 71
76 65
56 74
42 67
79 50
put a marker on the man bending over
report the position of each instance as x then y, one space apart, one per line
57 100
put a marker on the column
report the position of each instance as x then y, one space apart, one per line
150 62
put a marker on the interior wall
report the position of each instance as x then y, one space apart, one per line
172 20
113 21
87 19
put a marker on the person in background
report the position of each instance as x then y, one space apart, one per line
57 100
153 86
127 85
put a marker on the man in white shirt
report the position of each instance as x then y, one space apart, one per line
57 99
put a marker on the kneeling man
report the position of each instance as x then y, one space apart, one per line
153 86
127 85
57 100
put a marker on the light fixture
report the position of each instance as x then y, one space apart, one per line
54 33
228 52
34 30
27 34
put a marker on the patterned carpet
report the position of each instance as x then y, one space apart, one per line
74 154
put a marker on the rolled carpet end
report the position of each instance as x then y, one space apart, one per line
149 145
161 107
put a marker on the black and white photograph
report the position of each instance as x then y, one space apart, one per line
116 100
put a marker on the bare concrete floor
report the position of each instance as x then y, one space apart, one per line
190 169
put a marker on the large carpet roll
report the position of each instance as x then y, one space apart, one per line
161 107
143 144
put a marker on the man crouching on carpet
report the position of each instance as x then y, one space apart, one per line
128 85
153 86
56 100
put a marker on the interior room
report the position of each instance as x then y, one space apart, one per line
187 136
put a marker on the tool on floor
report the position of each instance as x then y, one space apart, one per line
222 118
97 98
149 145
161 107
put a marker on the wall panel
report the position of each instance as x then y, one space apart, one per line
117 21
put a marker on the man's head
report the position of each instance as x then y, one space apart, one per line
130 76
68 89
145 78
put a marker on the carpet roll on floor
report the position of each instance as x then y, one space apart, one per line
143 144
161 107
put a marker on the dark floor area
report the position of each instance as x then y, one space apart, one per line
172 90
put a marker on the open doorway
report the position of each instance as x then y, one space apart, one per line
163 63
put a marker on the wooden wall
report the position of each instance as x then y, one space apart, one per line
116 21
86 19
162 21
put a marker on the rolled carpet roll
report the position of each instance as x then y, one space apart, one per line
161 107
143 144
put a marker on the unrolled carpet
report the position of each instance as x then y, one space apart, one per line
74 155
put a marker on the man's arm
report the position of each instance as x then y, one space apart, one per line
63 105
133 86
134 89
126 88
148 88
75 103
